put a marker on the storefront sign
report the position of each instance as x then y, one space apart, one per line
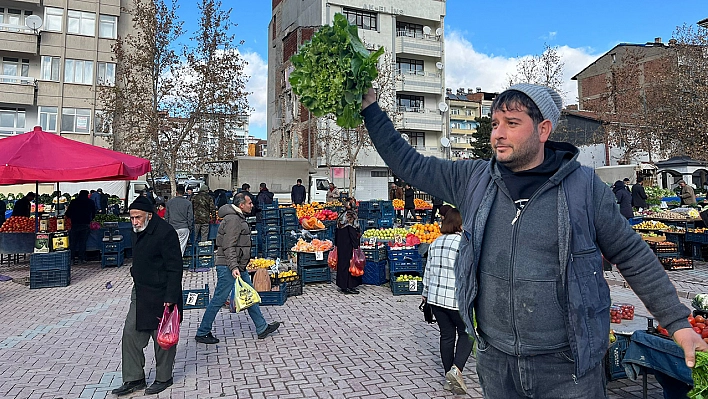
384 9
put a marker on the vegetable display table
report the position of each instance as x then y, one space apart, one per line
16 243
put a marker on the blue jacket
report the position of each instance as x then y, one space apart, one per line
589 224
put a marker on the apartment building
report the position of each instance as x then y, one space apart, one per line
55 54
411 31
462 112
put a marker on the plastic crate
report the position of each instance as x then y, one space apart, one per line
274 298
615 369
676 264
187 262
375 254
272 253
406 266
112 247
310 259
385 223
274 205
288 211
289 220
370 205
316 274
367 224
188 250
112 259
264 230
267 214
52 261
369 215
294 288
270 241
403 254
203 262
700 238
200 302
374 273
412 287
666 248
633 221
47 278
205 248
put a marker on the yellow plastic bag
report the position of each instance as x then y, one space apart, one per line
244 296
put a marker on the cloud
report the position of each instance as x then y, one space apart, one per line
550 36
257 85
469 69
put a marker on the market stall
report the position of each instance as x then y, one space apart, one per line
33 158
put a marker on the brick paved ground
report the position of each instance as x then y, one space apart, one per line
65 343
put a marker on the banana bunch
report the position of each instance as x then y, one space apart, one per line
289 273
260 263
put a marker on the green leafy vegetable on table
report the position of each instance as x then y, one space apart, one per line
333 71
700 377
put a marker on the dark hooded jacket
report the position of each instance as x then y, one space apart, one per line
233 239
156 271
624 199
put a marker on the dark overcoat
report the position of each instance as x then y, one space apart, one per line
156 271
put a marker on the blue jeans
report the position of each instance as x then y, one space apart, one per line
505 376
224 285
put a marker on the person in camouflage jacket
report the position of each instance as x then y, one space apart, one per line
204 208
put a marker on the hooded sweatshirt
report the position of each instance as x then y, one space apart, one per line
233 239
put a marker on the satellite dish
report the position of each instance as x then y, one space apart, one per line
442 106
439 65
405 136
445 142
426 30
33 22
438 32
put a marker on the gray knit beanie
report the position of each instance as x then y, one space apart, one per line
546 99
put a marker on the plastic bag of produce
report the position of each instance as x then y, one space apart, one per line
332 259
168 329
356 265
243 296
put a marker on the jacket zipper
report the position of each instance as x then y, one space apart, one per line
514 231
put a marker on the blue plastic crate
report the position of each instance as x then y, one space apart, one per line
112 247
114 259
700 238
375 254
385 223
403 254
289 220
272 253
372 205
635 220
374 273
288 211
264 229
267 223
202 298
388 213
367 224
270 242
316 274
188 250
370 215
47 278
274 298
204 248
294 288
274 205
187 262
406 287
60 260
615 369
204 262
267 214
310 259
406 266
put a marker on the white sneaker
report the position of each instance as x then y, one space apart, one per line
454 378
446 386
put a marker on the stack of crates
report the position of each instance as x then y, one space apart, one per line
269 231
288 224
204 255
388 215
188 261
405 262
313 270
254 244
111 253
375 267
330 228
50 270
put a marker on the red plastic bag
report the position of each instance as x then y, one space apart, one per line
168 330
356 265
332 259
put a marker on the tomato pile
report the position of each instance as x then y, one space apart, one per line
699 326
18 224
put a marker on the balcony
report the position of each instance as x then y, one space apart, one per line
413 44
18 38
419 82
17 90
420 119
460 146
455 130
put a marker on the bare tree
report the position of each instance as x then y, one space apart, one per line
545 69
177 105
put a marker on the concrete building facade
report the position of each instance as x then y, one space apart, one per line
55 54
410 31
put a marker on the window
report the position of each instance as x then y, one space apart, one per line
103 123
486 110
12 121
106 74
75 120
379 173
53 18
408 29
409 103
417 139
15 67
50 68
362 19
48 118
81 23
78 71
14 17
107 26
406 65
454 111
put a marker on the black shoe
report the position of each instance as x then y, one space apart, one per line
129 387
206 339
158 387
269 330
353 291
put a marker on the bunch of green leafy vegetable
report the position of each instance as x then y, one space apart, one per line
700 377
333 71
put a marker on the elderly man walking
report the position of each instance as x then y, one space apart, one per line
157 282
180 215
